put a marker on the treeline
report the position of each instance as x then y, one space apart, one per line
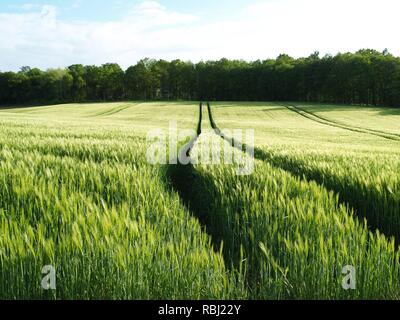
366 77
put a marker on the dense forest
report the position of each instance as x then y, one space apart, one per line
366 77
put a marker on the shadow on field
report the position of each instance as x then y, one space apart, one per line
367 205
390 112
198 194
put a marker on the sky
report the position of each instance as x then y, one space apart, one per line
58 33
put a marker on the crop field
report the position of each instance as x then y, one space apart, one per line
77 192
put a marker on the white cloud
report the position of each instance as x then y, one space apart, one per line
261 30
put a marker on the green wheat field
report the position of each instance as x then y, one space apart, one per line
77 193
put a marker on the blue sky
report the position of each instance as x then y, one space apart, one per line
58 33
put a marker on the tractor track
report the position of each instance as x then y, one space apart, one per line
115 110
346 194
240 146
196 190
313 117
396 135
